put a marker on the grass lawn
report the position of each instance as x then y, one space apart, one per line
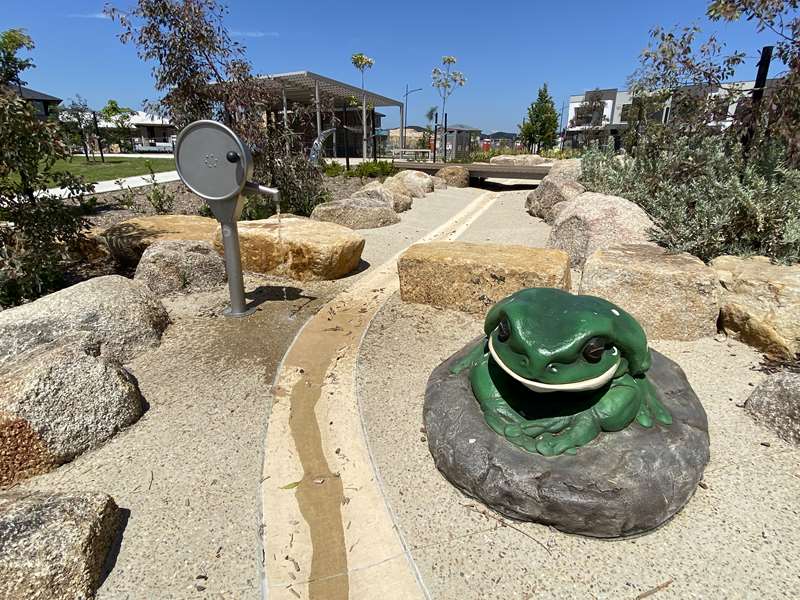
114 167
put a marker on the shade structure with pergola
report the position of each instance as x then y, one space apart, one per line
307 88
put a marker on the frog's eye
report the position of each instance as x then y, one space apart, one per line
503 331
593 350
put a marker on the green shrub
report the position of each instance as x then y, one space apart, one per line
381 168
334 169
559 154
703 198
39 228
161 199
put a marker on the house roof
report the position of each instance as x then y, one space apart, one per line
29 94
299 87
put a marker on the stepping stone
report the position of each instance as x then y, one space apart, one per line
470 277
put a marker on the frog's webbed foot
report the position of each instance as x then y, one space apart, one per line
583 428
472 358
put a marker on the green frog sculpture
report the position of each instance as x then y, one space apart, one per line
556 369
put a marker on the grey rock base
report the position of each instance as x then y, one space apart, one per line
621 484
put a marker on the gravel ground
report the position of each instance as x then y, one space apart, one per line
738 537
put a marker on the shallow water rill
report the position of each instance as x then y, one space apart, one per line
562 414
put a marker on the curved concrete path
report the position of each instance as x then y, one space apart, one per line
327 531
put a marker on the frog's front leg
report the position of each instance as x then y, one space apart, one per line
583 428
496 410
471 358
619 405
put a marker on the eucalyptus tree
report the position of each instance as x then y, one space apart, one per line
202 73
446 80
362 62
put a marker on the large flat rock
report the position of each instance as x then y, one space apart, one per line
471 277
128 240
673 296
52 546
622 483
761 303
297 247
116 315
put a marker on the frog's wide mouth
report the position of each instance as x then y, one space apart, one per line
546 388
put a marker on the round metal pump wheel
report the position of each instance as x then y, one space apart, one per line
212 161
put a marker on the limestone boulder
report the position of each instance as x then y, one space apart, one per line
761 303
551 191
118 317
471 277
523 160
569 168
128 240
172 266
377 191
673 296
416 178
297 247
53 545
594 221
454 175
438 183
775 403
57 402
357 213
396 186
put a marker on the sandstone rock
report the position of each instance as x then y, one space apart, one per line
622 484
53 546
171 266
377 191
416 178
761 303
471 277
57 402
673 296
569 168
454 175
356 213
775 403
525 160
299 247
128 240
594 221
551 191
119 316
438 183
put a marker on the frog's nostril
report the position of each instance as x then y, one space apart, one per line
524 361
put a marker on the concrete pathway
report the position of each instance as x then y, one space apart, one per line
327 531
131 182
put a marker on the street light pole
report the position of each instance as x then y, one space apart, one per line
405 116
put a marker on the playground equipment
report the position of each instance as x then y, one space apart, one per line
217 166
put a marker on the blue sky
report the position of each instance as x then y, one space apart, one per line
505 49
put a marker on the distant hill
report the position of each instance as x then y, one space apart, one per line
501 135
